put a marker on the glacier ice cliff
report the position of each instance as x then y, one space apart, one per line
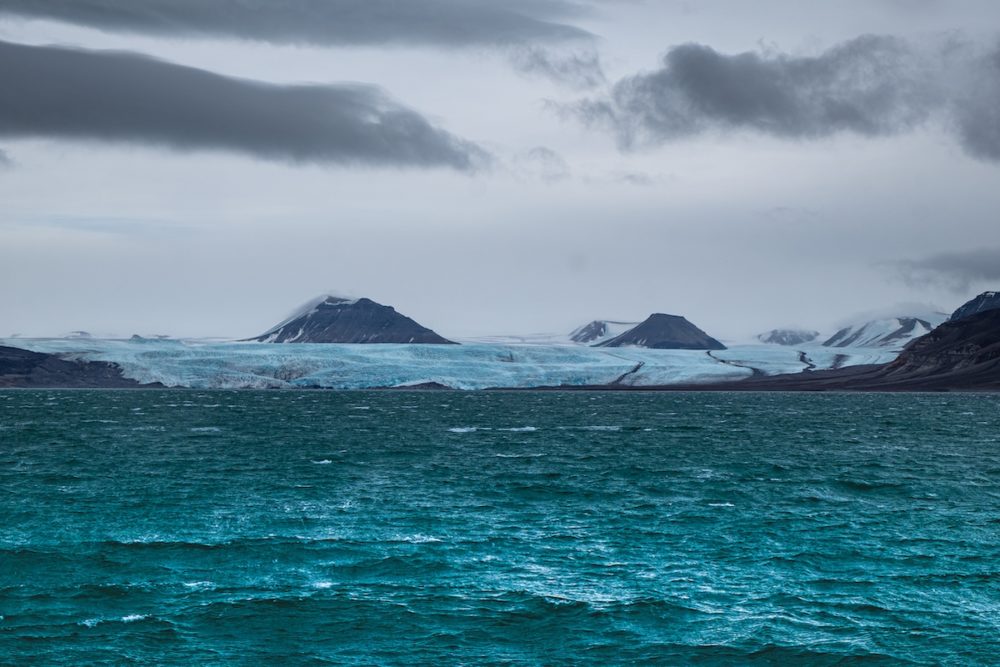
202 365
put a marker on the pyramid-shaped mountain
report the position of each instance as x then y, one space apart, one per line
665 332
334 319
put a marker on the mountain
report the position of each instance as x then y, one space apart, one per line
665 332
959 355
21 368
599 331
332 319
886 332
788 336
962 352
983 302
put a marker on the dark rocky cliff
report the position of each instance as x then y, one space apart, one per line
22 368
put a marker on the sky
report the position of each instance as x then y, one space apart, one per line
199 168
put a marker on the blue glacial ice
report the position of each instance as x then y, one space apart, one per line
203 365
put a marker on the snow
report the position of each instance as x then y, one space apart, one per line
878 332
202 364
612 328
308 308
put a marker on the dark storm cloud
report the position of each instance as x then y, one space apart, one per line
977 111
448 23
955 271
869 85
115 96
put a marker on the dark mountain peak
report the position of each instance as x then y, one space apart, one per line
335 319
788 336
983 302
599 330
661 331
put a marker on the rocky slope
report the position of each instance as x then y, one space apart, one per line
983 302
893 332
963 355
788 336
599 331
665 332
21 368
338 320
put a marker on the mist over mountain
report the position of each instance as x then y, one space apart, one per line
983 302
788 336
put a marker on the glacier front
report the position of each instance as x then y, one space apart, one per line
236 365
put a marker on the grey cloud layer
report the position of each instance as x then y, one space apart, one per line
955 271
977 110
871 86
455 23
533 33
115 96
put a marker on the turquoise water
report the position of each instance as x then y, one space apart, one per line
201 528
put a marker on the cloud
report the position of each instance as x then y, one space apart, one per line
977 109
443 23
5 160
637 178
870 86
125 97
543 164
956 271
579 69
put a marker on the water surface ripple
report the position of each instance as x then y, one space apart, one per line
221 527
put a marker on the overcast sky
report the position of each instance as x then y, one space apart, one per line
201 168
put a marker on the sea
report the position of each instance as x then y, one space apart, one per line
183 527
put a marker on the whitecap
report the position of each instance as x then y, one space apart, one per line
419 539
519 429
132 618
519 456
323 462
721 505
322 585
206 429
463 429
602 428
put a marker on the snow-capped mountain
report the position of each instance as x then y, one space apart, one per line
788 336
983 302
599 331
665 332
891 332
332 319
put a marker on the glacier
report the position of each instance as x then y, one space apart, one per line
203 364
